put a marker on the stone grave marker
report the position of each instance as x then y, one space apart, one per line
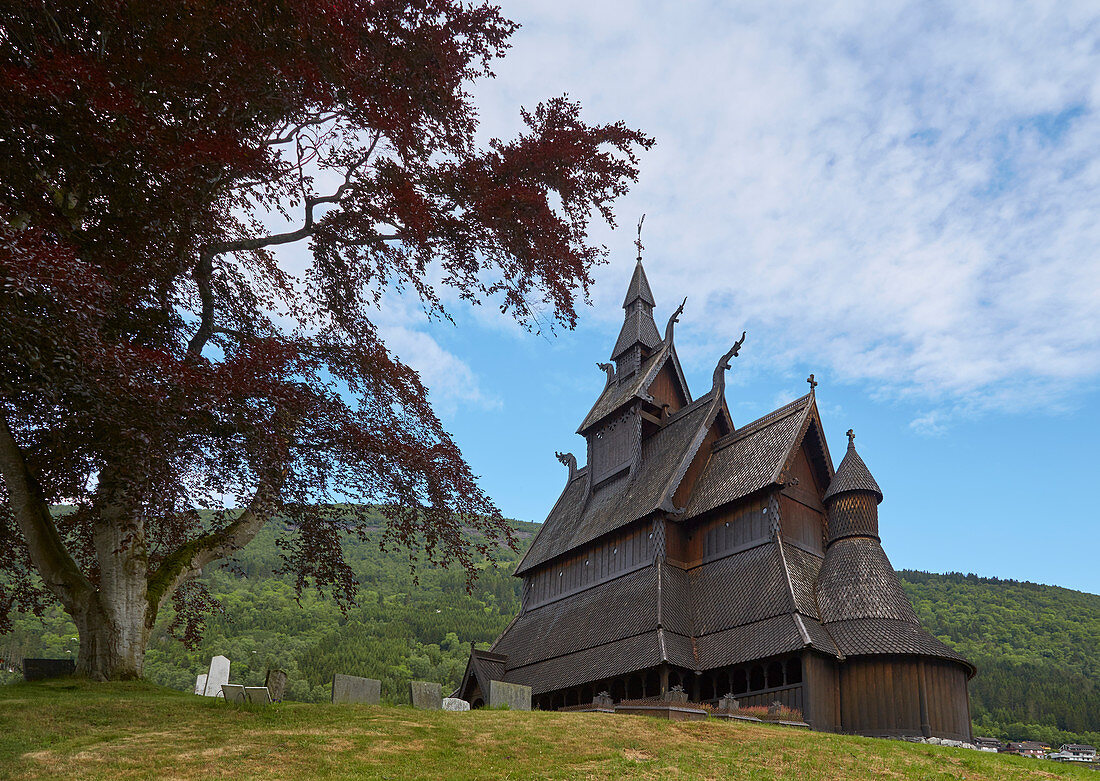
729 703
454 703
353 689
514 695
219 674
275 681
258 695
40 669
428 696
200 684
676 694
234 692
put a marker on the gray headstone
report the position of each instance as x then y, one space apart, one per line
514 695
276 684
353 689
729 704
426 695
676 694
454 703
200 684
218 675
234 693
603 700
258 695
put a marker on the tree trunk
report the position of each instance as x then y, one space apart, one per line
114 624
110 649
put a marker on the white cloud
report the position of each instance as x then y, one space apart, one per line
904 193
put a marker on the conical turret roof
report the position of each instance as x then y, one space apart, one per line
638 326
852 474
639 288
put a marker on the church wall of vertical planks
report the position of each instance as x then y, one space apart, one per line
690 551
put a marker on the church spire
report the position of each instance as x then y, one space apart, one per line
639 336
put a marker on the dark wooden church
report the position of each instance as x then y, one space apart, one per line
690 551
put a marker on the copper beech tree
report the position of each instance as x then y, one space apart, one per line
159 362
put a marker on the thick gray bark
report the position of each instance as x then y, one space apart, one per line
114 618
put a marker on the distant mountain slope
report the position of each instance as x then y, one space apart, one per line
1037 649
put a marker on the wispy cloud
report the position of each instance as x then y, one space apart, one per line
907 192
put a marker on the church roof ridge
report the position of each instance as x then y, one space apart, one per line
791 408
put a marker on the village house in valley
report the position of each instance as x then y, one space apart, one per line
691 551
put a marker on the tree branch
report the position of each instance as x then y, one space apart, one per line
48 553
204 269
186 562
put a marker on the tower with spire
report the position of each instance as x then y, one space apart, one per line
728 560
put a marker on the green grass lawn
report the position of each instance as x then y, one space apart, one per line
73 729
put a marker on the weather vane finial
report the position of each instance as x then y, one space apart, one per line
813 383
851 438
638 241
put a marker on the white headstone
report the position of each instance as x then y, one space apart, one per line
454 703
219 674
200 684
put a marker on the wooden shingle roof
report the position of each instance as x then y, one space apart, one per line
750 458
852 475
578 518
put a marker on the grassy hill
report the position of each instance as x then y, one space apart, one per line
1037 647
73 730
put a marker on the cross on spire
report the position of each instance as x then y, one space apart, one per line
638 241
813 383
851 438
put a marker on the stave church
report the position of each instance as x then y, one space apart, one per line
691 551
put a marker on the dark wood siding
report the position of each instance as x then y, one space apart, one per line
611 446
882 696
665 389
802 525
732 529
804 486
623 552
820 691
948 699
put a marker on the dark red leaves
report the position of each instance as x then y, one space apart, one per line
149 334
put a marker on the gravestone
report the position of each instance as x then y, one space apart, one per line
234 693
200 684
258 695
513 695
676 694
353 689
275 681
219 674
454 703
603 700
428 696
774 708
729 704
40 669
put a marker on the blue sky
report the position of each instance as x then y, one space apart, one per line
899 197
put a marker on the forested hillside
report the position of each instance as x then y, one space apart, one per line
1037 648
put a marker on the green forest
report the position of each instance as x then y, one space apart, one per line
1037 648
